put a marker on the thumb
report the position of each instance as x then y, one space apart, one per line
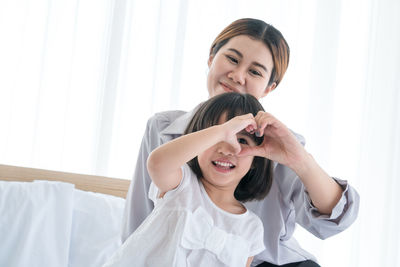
237 149
251 151
235 146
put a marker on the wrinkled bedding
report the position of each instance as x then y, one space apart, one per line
46 223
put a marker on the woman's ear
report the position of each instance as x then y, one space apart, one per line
269 89
210 59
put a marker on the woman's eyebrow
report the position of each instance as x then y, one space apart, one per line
254 62
236 52
261 66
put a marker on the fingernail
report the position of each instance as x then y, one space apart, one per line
258 134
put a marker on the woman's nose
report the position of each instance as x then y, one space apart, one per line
237 75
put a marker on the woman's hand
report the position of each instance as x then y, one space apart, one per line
279 145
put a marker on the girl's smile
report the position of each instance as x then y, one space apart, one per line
223 165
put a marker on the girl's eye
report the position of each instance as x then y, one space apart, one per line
243 141
232 59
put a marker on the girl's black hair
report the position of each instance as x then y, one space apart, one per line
258 180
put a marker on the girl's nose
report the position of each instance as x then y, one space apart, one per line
226 149
237 75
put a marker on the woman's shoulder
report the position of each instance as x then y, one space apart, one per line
162 120
166 116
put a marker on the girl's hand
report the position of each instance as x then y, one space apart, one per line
279 143
235 125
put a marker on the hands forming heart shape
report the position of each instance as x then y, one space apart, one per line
279 144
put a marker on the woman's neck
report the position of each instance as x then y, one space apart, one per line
223 198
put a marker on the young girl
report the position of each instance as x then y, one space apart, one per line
201 221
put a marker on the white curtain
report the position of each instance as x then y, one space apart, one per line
79 78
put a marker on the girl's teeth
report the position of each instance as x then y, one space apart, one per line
223 164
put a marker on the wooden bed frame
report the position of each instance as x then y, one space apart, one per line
93 183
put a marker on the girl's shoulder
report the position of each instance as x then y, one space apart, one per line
254 233
254 220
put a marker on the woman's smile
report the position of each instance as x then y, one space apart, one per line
229 88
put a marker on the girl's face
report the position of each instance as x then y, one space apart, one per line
221 167
242 65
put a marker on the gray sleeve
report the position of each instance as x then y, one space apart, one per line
138 206
323 226
307 215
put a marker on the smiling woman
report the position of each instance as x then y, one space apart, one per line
247 61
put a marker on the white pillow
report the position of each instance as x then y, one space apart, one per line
96 227
35 223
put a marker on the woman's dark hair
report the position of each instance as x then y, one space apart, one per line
261 31
258 180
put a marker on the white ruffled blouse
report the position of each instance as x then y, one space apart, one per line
187 229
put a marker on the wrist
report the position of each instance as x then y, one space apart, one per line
304 165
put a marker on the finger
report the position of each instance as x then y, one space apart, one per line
251 128
250 125
251 151
236 149
250 120
262 124
263 120
243 122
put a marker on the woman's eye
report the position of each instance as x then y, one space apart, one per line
232 59
242 141
254 72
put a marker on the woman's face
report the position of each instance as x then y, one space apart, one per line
242 65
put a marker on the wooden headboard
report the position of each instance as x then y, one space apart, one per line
93 183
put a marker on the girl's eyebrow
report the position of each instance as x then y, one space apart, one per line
254 62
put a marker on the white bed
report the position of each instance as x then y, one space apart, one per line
50 218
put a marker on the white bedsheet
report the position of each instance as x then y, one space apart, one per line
53 224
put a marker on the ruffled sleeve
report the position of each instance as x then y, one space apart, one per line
154 193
